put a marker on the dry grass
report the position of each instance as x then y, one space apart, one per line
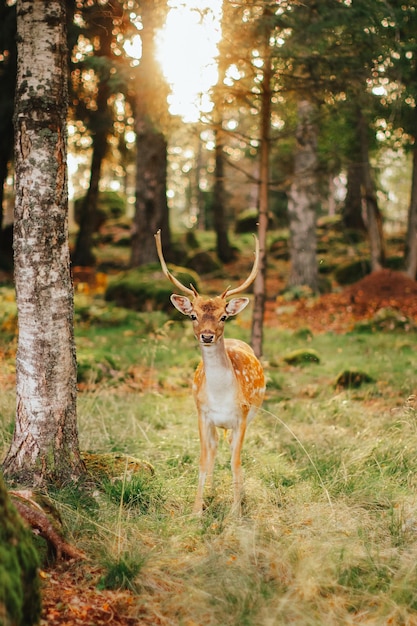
329 529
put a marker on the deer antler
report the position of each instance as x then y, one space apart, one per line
191 292
250 278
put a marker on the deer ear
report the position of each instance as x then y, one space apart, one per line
182 303
236 305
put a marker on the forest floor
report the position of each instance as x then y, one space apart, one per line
70 589
340 311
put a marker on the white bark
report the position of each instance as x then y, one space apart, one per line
45 441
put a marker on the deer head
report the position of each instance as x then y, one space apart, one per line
208 314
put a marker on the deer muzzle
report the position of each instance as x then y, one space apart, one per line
207 337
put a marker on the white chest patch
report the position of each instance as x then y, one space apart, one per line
218 399
222 408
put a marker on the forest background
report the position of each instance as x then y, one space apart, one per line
311 116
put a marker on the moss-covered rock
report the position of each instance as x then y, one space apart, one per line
114 465
352 379
20 601
301 357
110 205
387 319
351 272
146 288
203 262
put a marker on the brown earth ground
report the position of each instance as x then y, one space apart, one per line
70 594
339 311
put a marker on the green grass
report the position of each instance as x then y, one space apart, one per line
328 531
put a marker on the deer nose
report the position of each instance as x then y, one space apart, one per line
207 337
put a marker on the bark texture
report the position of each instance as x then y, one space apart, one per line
263 206
151 206
303 200
411 242
353 207
100 125
224 249
45 440
372 212
151 209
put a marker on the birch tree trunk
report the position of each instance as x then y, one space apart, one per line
303 200
45 439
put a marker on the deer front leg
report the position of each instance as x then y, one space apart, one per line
208 449
236 442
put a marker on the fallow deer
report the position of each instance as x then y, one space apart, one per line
229 382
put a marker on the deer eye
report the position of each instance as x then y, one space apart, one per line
193 317
224 318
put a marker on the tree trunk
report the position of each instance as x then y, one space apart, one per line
259 284
45 439
373 214
8 86
151 209
303 201
353 206
411 240
100 125
224 249
151 206
83 254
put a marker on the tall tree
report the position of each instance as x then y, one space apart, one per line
45 439
263 199
224 249
411 237
219 203
401 65
373 214
99 18
151 206
303 200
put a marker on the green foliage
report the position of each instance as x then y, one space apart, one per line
121 571
140 492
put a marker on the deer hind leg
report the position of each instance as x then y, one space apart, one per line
236 442
208 449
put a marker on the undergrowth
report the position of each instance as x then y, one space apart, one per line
328 531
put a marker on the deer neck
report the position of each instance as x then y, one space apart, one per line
217 365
